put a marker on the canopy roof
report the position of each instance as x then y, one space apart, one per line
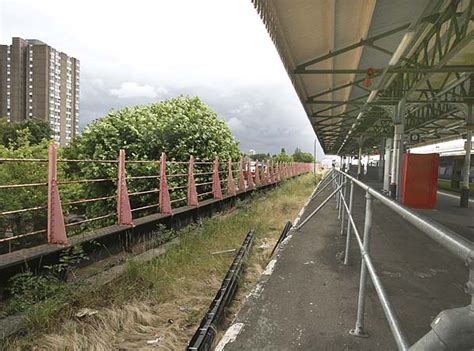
360 66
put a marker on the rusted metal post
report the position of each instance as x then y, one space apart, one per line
124 211
165 202
241 175
192 193
270 172
55 227
249 177
216 182
230 179
257 174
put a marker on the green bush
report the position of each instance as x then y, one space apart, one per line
180 127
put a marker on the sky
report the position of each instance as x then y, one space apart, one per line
142 51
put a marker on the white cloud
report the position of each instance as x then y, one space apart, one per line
235 124
235 69
134 90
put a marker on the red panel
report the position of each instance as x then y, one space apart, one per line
420 180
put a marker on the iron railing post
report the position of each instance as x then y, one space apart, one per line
359 327
348 231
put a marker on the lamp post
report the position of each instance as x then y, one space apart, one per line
314 153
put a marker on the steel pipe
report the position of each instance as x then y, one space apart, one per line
348 230
387 307
452 241
359 327
318 208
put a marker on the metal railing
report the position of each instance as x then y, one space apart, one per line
459 246
54 205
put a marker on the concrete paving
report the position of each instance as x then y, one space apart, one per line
307 299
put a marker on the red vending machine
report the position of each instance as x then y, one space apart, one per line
420 180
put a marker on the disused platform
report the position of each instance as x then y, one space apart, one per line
308 299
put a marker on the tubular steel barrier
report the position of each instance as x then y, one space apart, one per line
124 190
452 329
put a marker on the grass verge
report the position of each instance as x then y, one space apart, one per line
161 302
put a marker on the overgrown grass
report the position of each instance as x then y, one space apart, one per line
167 297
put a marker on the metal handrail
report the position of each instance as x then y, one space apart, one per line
456 244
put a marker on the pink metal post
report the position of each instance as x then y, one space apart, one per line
271 174
216 182
264 174
249 177
192 193
124 211
165 202
230 179
241 175
257 174
56 229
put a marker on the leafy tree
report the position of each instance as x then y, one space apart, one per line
39 130
299 156
180 127
21 173
11 133
260 156
282 156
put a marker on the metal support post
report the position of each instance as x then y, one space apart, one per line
338 182
395 160
192 192
344 196
56 229
359 166
387 164
314 154
464 200
165 201
341 192
381 159
359 327
348 230
124 211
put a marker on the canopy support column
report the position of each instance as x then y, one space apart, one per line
387 164
397 157
464 200
359 163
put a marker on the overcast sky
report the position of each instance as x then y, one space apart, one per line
140 51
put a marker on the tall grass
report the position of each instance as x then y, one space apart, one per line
166 297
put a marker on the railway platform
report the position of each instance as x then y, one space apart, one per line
307 297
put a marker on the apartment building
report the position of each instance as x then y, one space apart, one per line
38 81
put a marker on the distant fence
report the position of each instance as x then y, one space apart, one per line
130 189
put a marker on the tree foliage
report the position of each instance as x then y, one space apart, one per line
282 156
300 156
23 173
260 156
11 134
180 127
